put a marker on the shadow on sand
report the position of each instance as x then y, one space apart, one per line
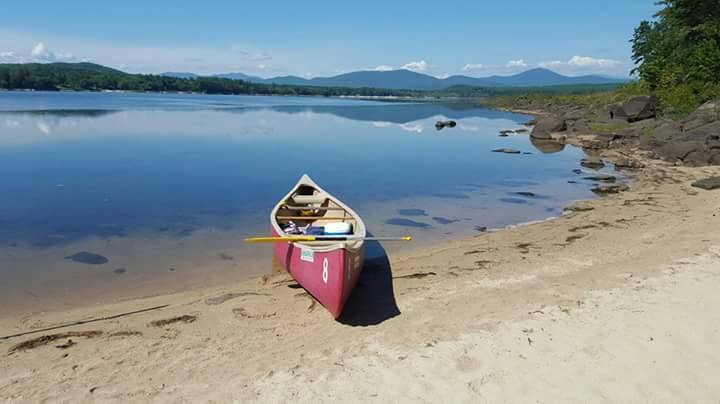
373 300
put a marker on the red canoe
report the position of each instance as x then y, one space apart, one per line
328 270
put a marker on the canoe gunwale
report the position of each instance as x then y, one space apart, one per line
350 246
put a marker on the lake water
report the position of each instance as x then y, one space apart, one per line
165 187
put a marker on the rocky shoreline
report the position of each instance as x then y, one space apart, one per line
619 131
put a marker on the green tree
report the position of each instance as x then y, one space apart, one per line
678 54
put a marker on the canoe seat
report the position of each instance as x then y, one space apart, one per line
309 198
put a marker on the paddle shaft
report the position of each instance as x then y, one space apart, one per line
301 238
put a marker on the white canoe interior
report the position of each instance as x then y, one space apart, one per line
307 203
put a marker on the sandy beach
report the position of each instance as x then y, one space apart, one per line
613 301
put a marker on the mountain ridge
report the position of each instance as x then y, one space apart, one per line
409 80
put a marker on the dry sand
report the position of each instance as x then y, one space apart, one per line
616 302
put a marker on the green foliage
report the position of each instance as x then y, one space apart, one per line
678 54
608 127
548 99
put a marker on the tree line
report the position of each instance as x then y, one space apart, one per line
677 54
92 77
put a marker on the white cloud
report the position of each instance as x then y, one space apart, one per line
474 67
381 124
590 62
520 63
585 64
41 53
419 66
443 76
383 68
554 64
18 47
10 57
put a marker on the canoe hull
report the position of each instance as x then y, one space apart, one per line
329 276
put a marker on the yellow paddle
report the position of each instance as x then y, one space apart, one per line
301 238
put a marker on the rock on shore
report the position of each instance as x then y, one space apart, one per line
694 141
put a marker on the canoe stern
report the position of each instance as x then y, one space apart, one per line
329 276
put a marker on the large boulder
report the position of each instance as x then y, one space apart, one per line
705 114
547 126
697 147
636 109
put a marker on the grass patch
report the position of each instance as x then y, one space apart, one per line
608 127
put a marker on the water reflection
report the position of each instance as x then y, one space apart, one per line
547 146
166 181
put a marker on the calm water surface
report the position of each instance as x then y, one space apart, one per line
165 187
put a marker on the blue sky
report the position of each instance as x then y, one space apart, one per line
320 38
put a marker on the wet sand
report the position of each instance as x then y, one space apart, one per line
611 302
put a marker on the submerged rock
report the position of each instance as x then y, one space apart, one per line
708 184
88 258
412 212
601 178
507 151
516 201
396 221
609 189
443 220
592 162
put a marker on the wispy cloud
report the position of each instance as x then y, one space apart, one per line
580 64
587 62
474 67
383 68
38 54
419 66
23 47
41 53
554 64
515 64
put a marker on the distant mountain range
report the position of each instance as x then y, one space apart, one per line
409 80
